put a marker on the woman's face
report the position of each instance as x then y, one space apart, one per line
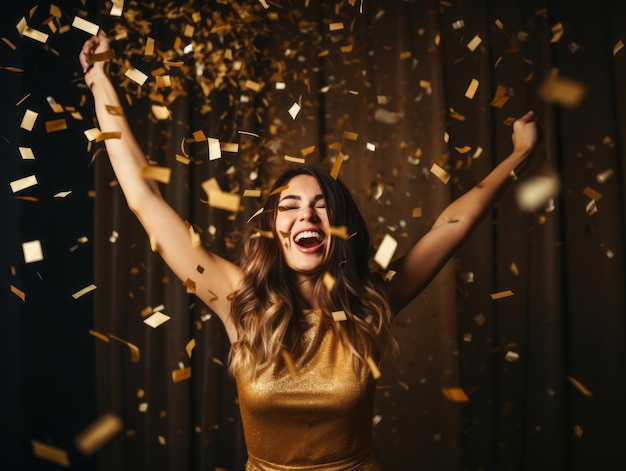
302 224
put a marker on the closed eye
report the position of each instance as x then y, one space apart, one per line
287 208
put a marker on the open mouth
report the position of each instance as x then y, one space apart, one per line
309 239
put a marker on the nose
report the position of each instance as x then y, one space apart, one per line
308 214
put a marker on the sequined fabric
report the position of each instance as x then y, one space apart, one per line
317 420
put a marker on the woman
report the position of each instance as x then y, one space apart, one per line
306 318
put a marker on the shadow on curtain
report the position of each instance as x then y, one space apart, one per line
384 89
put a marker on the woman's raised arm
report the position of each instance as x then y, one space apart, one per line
165 227
424 260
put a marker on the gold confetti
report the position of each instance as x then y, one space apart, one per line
337 165
219 199
471 89
134 350
149 49
535 193
154 172
501 294
161 112
619 45
511 356
474 43
580 386
99 335
373 368
215 150
86 26
514 269
252 193
136 76
26 153
23 183
50 453
190 346
298 160
557 32
36 35
500 98
440 173
335 26
329 281
98 433
385 252
84 291
455 394
56 125
562 91
156 319
339 316
339 231
181 374
294 110
591 193
103 136
351 136
32 251
18 292
28 121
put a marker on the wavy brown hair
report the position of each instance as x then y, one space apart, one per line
267 309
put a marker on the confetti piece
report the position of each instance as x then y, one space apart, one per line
335 26
103 136
562 91
329 281
580 386
351 136
149 49
294 110
215 150
619 45
23 183
500 97
50 453
229 147
84 291
28 121
181 374
514 269
385 251
337 165
591 193
35 34
154 172
136 76
56 125
339 231
535 193
86 26
252 193
455 394
190 346
557 32
511 356
156 319
298 160
501 294
98 433
26 153
440 173
471 89
474 43
339 316
162 113
32 251
134 350
18 292
373 368
99 335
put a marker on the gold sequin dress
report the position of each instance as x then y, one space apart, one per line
319 420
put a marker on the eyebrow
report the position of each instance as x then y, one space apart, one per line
298 198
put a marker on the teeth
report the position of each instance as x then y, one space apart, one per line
307 235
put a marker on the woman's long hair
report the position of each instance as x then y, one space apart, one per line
267 310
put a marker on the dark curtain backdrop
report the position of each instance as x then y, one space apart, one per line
381 85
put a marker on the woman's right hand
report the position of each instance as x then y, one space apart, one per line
94 45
